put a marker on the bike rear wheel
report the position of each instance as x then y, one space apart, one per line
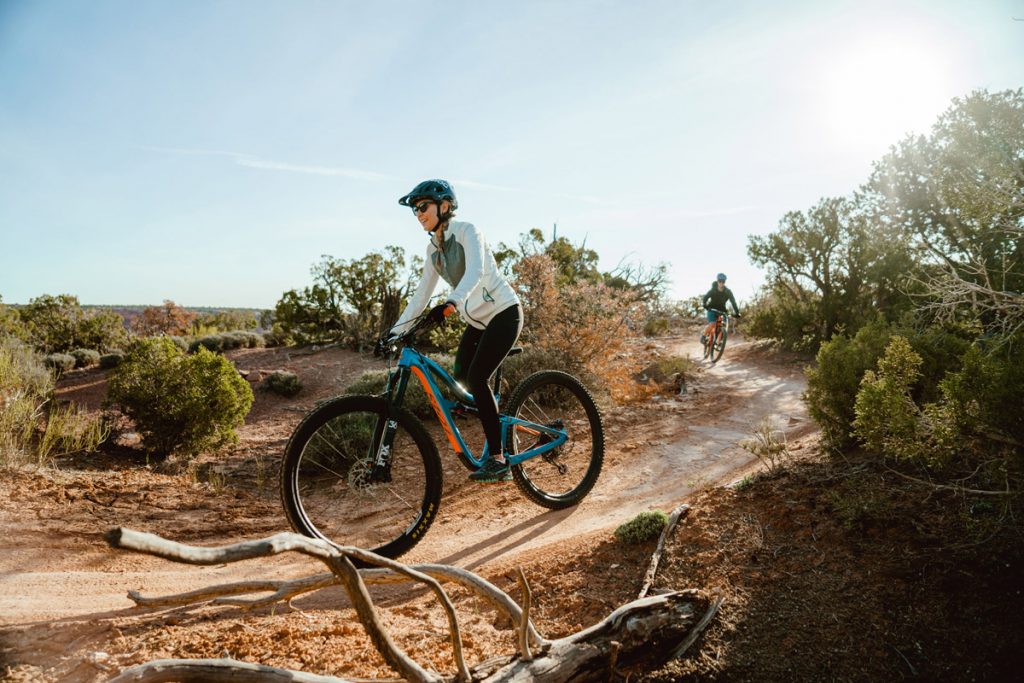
331 490
561 477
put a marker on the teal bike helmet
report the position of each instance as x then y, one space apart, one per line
435 190
720 277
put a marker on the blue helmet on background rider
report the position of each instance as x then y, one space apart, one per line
720 277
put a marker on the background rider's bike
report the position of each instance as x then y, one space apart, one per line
715 335
364 471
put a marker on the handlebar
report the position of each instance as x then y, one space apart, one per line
388 346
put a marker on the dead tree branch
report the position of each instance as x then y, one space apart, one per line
660 549
641 632
216 671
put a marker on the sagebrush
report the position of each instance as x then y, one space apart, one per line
181 404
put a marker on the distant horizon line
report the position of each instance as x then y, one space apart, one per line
233 308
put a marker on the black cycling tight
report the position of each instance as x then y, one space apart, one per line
479 355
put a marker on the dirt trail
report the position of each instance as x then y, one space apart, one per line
49 572
692 442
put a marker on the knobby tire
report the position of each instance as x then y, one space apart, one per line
562 477
718 348
327 487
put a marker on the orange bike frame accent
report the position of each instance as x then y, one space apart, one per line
441 416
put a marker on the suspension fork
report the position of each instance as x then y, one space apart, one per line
384 434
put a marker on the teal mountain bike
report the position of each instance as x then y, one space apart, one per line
364 471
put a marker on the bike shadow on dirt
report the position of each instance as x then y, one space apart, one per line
507 540
480 553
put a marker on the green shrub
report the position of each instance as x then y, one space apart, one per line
111 360
181 342
58 324
833 384
941 351
646 526
61 362
181 404
533 359
976 425
239 339
85 357
983 399
254 340
278 336
445 338
887 419
213 342
282 383
776 314
670 372
656 326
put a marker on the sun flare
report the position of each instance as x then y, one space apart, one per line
884 87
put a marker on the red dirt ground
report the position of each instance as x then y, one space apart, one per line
828 569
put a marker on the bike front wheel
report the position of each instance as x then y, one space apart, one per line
561 477
334 488
718 347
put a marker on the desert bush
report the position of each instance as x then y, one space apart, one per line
646 526
167 319
85 357
182 343
282 383
584 323
351 301
10 322
833 383
61 362
886 417
223 321
53 324
985 396
111 360
181 404
974 430
213 342
32 429
656 326
670 372
769 445
790 321
254 340
278 336
941 350
445 338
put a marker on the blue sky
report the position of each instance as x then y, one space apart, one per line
211 152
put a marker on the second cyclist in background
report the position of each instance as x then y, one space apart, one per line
715 300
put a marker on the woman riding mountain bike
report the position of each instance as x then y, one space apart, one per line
485 301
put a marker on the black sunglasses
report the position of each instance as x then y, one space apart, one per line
421 207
